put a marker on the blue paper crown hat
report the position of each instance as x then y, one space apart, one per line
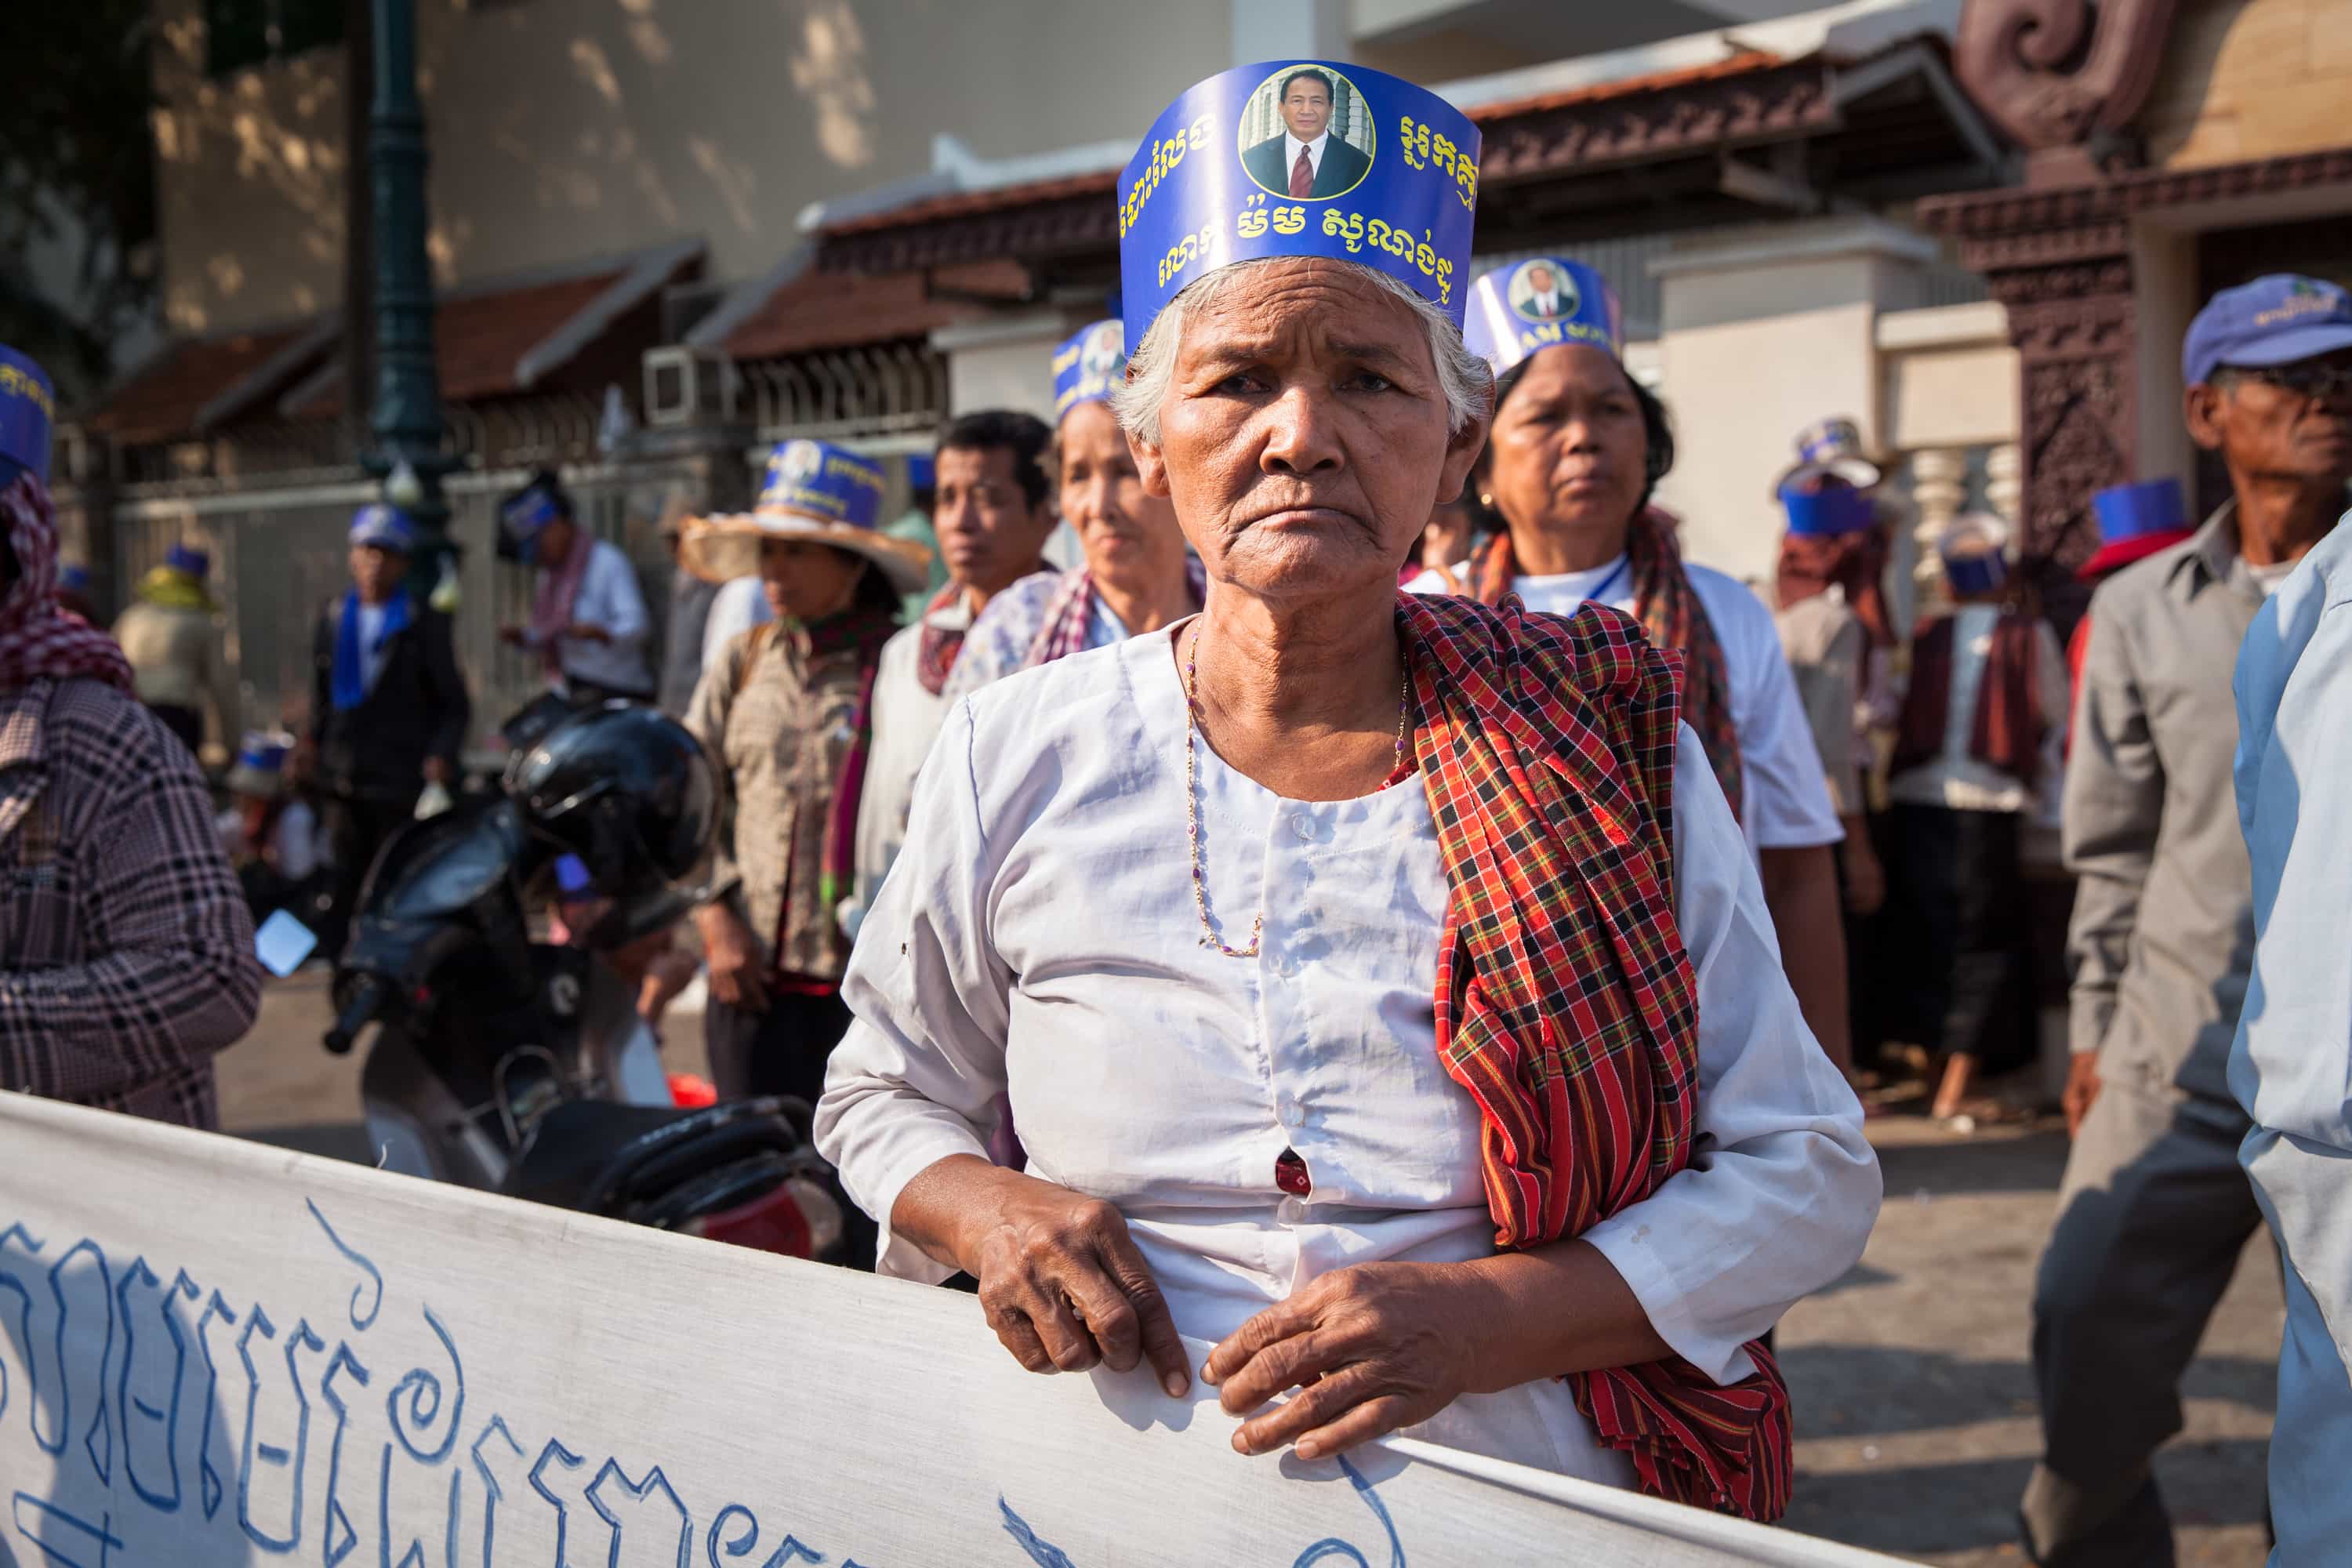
1817 512
1516 311
1831 448
28 406
1396 189
1090 366
2130 512
1971 549
817 492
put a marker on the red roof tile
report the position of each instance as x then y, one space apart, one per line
838 310
161 400
480 338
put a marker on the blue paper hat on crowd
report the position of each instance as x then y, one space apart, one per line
73 578
1516 311
1971 548
1820 511
2134 522
1089 367
260 767
524 515
187 558
922 471
384 527
812 491
1395 189
28 406
1831 449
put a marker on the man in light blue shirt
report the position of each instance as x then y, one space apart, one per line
2291 1066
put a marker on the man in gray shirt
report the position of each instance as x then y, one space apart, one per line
2154 1210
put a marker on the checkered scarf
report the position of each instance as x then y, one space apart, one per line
1669 610
936 646
1565 1001
1071 611
37 639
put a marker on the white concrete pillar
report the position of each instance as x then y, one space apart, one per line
1765 331
1292 30
1939 483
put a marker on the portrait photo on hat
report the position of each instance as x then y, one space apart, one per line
816 492
1306 133
1516 311
1090 366
1385 174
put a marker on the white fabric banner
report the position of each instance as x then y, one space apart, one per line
214 1352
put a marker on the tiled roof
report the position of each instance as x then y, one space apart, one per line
159 400
491 340
838 310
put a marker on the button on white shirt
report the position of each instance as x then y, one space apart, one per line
1038 936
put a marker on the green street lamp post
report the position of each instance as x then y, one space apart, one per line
407 453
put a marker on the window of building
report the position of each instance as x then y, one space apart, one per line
242 33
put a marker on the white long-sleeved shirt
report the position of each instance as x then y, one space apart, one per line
2292 1060
609 597
1038 936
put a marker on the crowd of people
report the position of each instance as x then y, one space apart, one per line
1423 936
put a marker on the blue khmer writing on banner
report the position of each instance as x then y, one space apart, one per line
1395 187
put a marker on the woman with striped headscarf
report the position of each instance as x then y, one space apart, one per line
1577 448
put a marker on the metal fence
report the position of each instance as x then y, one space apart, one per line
279 557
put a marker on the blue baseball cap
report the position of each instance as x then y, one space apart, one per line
1516 311
2276 320
384 528
1089 367
28 406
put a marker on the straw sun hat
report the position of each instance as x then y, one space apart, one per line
816 492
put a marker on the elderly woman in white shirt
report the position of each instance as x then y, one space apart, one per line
1382 987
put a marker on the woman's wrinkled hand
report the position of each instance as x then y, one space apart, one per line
1063 1284
1370 1348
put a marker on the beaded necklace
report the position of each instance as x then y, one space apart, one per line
1209 937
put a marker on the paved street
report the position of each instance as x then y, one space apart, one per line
1915 1408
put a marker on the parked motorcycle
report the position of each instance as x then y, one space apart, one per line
521 1066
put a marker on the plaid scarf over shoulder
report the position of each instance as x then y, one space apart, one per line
1669 609
1566 1004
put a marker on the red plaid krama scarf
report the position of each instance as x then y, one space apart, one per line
1565 1001
37 639
1071 611
936 646
1669 610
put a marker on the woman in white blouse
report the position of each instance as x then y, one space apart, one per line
1162 896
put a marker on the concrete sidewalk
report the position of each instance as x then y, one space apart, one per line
1915 1405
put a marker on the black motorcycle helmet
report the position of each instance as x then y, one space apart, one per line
626 790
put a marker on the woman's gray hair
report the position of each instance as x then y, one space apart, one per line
1152 366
